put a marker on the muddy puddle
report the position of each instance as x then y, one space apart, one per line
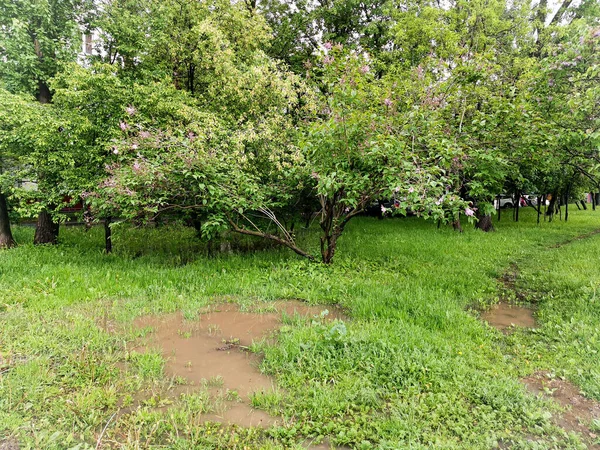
503 316
211 353
580 411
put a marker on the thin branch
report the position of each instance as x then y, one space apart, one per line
271 237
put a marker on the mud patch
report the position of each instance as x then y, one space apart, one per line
9 444
212 352
503 316
580 411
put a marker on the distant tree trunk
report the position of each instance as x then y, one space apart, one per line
484 221
46 230
331 232
6 238
499 208
456 224
583 204
551 207
539 207
107 235
517 205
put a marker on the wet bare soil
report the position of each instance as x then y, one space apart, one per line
503 316
9 444
212 353
580 411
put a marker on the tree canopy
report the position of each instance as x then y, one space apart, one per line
249 116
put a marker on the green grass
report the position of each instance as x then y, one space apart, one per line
413 367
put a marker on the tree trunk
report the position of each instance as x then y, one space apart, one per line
6 238
551 207
328 246
107 235
583 204
46 230
540 199
333 226
517 205
499 208
456 225
484 222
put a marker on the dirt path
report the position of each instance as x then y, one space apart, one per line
579 411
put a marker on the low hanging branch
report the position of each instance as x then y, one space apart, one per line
287 242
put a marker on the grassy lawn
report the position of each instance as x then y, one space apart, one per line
411 367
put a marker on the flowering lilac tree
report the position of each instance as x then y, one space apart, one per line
376 139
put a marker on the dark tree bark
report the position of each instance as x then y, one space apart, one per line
107 235
332 224
328 246
6 237
456 225
552 206
539 207
583 204
517 205
484 222
331 232
499 208
46 230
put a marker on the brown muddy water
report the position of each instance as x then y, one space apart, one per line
212 352
504 315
